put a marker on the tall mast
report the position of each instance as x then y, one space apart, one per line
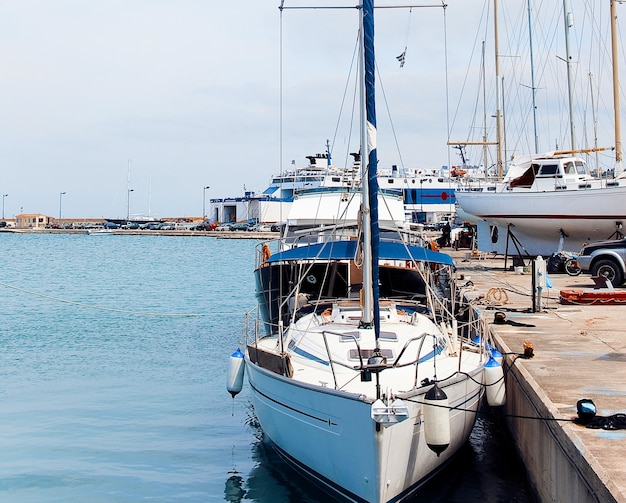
371 233
485 159
498 99
569 22
365 204
594 116
532 79
616 110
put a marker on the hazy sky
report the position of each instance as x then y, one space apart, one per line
188 93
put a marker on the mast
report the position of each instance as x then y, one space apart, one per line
594 116
532 80
498 99
369 163
485 158
616 111
569 22
367 256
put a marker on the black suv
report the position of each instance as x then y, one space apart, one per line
605 258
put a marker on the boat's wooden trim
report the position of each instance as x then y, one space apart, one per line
278 363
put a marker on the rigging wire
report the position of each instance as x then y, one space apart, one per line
393 129
343 101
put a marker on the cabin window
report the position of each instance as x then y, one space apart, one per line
581 169
548 170
569 168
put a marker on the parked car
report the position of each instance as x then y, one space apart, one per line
605 258
278 227
206 226
224 227
240 226
153 226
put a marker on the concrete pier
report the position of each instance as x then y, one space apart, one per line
579 352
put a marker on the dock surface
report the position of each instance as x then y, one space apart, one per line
579 352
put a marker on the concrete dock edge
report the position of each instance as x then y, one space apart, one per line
579 352
559 470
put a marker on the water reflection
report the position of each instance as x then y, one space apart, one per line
234 492
272 480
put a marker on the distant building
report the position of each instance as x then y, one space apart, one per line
32 221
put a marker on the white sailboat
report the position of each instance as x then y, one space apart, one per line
359 373
552 198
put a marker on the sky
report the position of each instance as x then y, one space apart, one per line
135 106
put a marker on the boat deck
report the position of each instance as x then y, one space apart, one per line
579 352
310 364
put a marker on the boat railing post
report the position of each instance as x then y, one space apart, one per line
246 327
330 359
405 347
417 359
280 336
256 331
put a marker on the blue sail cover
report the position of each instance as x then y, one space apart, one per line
372 167
346 250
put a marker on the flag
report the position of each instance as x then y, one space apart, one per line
402 58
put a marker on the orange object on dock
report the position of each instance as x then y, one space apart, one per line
592 296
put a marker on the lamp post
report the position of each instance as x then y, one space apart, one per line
60 205
204 202
3 196
128 205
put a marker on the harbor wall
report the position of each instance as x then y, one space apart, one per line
559 470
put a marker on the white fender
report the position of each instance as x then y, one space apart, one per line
494 383
236 365
437 420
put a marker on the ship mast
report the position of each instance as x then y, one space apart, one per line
616 110
569 22
498 99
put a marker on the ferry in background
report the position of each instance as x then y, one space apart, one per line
428 194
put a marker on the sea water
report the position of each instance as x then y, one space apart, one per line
113 358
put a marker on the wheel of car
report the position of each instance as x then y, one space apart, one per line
610 270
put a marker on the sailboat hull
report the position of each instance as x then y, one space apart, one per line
330 436
536 219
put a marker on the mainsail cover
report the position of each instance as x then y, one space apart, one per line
372 166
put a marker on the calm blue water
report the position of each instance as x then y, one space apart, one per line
113 353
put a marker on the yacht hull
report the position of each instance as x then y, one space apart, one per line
330 436
538 219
